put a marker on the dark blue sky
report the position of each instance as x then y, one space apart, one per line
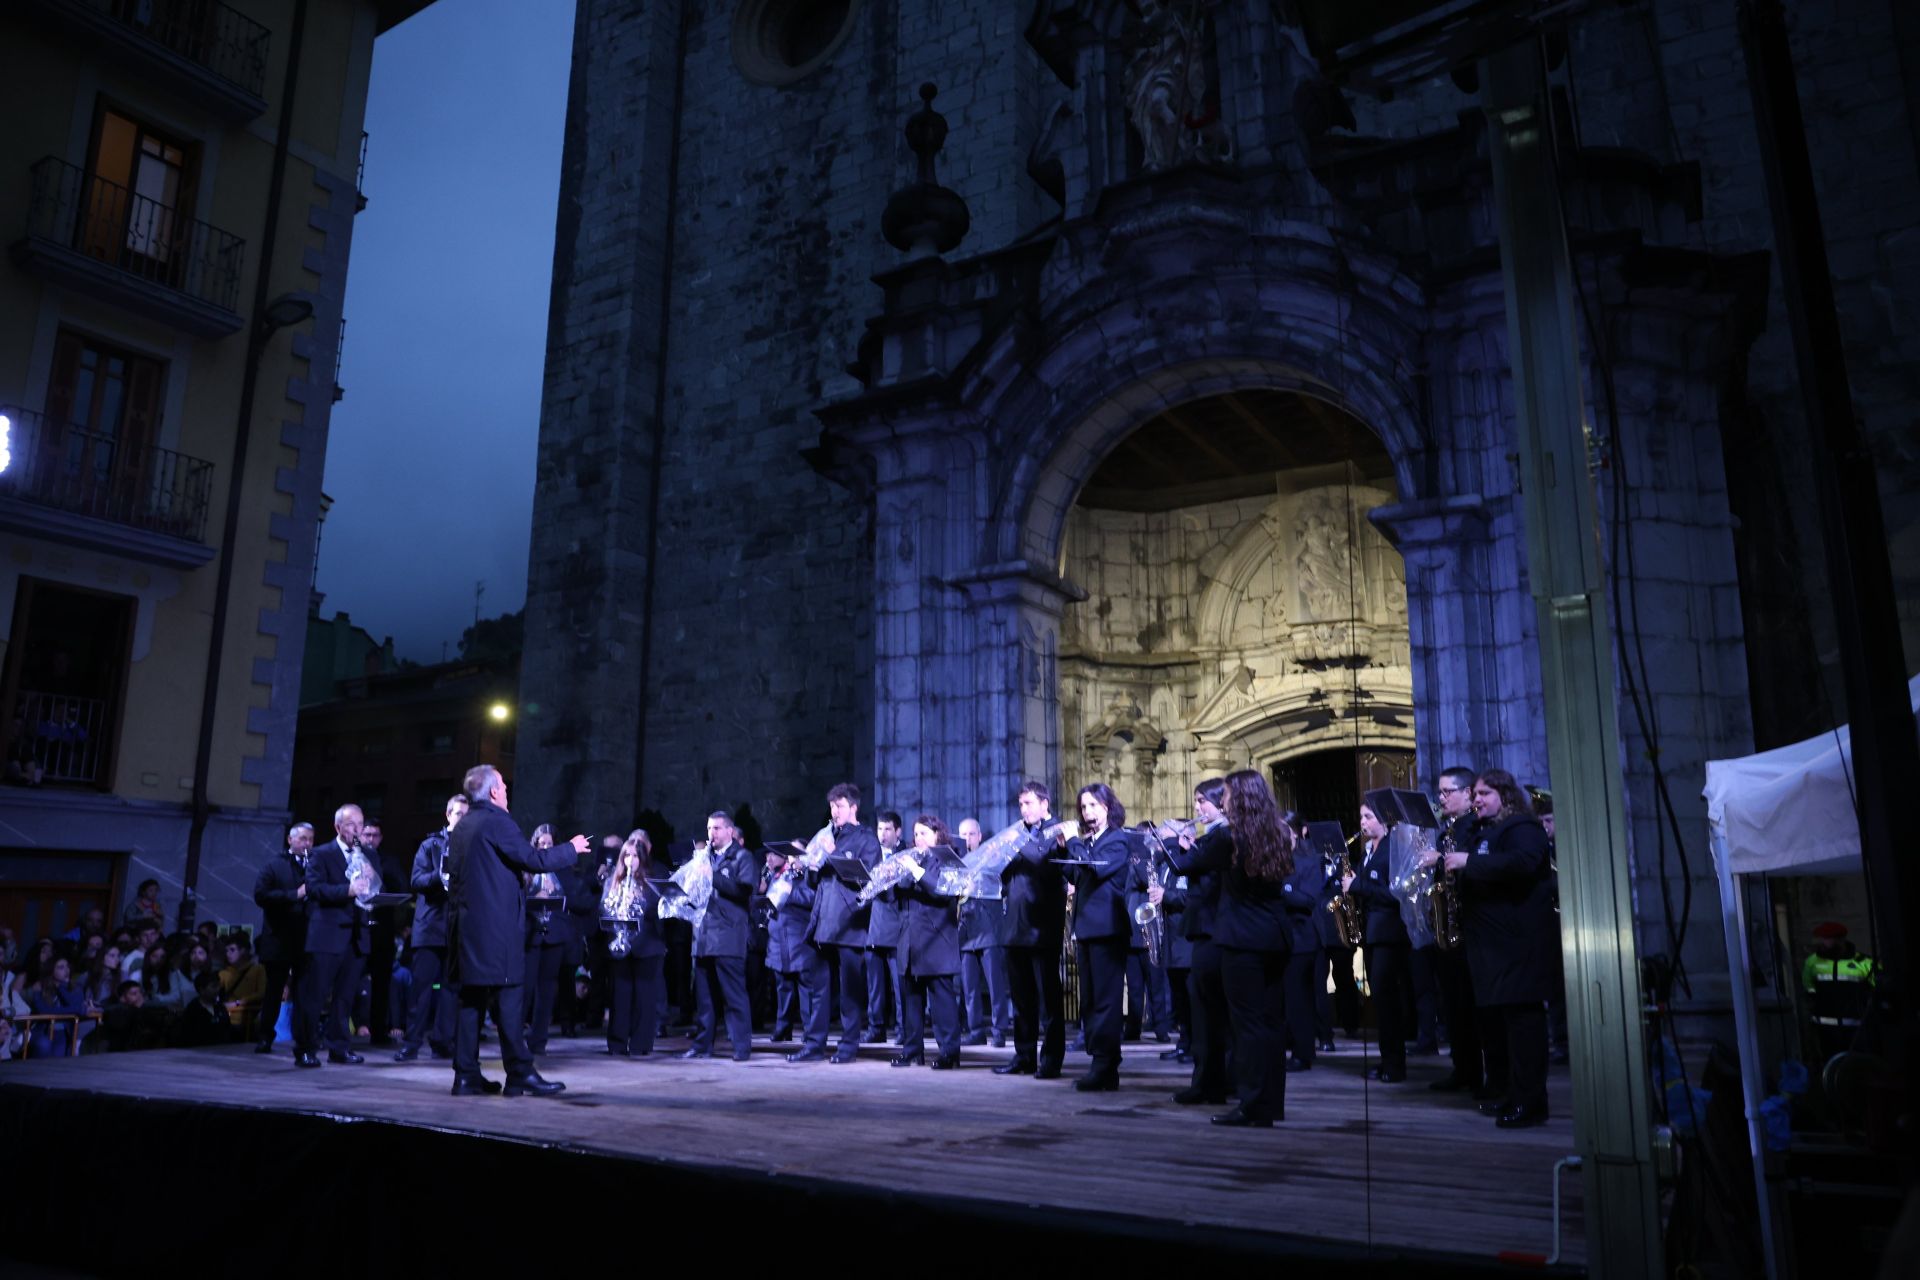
430 464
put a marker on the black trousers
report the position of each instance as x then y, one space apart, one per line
983 990
1256 989
1463 1018
1344 1004
430 1019
1039 1017
1181 999
934 994
1106 976
332 981
634 988
722 981
1212 1025
883 990
816 995
1302 965
1526 1028
281 970
1387 979
1495 1047
510 1021
542 986
849 965
380 955
1140 993
786 1003
1426 996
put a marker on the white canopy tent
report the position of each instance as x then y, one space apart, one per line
1789 811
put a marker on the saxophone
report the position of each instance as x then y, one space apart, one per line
1444 898
1349 918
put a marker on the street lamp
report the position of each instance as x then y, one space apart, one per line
499 712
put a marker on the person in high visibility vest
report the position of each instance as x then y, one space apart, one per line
1838 980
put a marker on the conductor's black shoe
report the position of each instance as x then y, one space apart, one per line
347 1058
906 1060
698 1053
474 1086
809 1054
1238 1119
1521 1117
1018 1067
407 1054
305 1060
1047 1071
1191 1097
1097 1084
844 1055
532 1086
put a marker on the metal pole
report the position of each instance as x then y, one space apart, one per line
1613 1124
1733 917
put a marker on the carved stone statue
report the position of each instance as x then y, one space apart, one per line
1320 566
1166 80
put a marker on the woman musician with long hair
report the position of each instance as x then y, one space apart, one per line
637 950
1105 852
1255 937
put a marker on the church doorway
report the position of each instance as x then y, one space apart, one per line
1328 785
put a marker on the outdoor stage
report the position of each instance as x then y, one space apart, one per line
748 1157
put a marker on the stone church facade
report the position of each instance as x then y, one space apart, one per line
1172 433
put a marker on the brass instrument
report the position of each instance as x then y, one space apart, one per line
1444 900
1349 917
1148 915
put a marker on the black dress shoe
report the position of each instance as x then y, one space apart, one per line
808 1054
906 1060
1238 1119
782 1037
1495 1107
1191 1097
1294 1064
532 1086
305 1060
1047 1071
474 1087
1386 1076
1162 1037
1521 1118
844 1055
344 1059
697 1053
408 1054
265 1046
1170 1054
743 1055
1018 1067
1328 1046
946 1062
1449 1084
1097 1084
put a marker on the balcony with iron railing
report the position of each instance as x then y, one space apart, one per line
58 739
97 236
208 51
93 490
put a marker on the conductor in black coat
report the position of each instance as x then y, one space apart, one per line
430 1019
486 925
1032 930
1507 923
280 891
1101 921
1387 946
930 942
338 940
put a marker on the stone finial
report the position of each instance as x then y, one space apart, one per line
925 218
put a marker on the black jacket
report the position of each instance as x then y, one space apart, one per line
486 905
1253 913
430 892
335 923
839 917
1100 891
883 919
1202 865
283 932
1506 912
929 925
1373 886
1305 894
1035 894
980 920
725 928
789 927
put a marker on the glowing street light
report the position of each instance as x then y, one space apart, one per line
6 441
499 712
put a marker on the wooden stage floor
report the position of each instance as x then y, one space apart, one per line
1391 1166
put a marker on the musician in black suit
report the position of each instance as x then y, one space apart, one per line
430 1019
337 945
1200 861
1305 891
1507 926
636 951
1387 947
486 933
1032 930
1336 962
883 940
720 944
384 926
1479 1065
800 972
930 938
1255 936
840 920
1101 922
280 891
549 933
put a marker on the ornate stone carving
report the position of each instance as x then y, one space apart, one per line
1166 80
